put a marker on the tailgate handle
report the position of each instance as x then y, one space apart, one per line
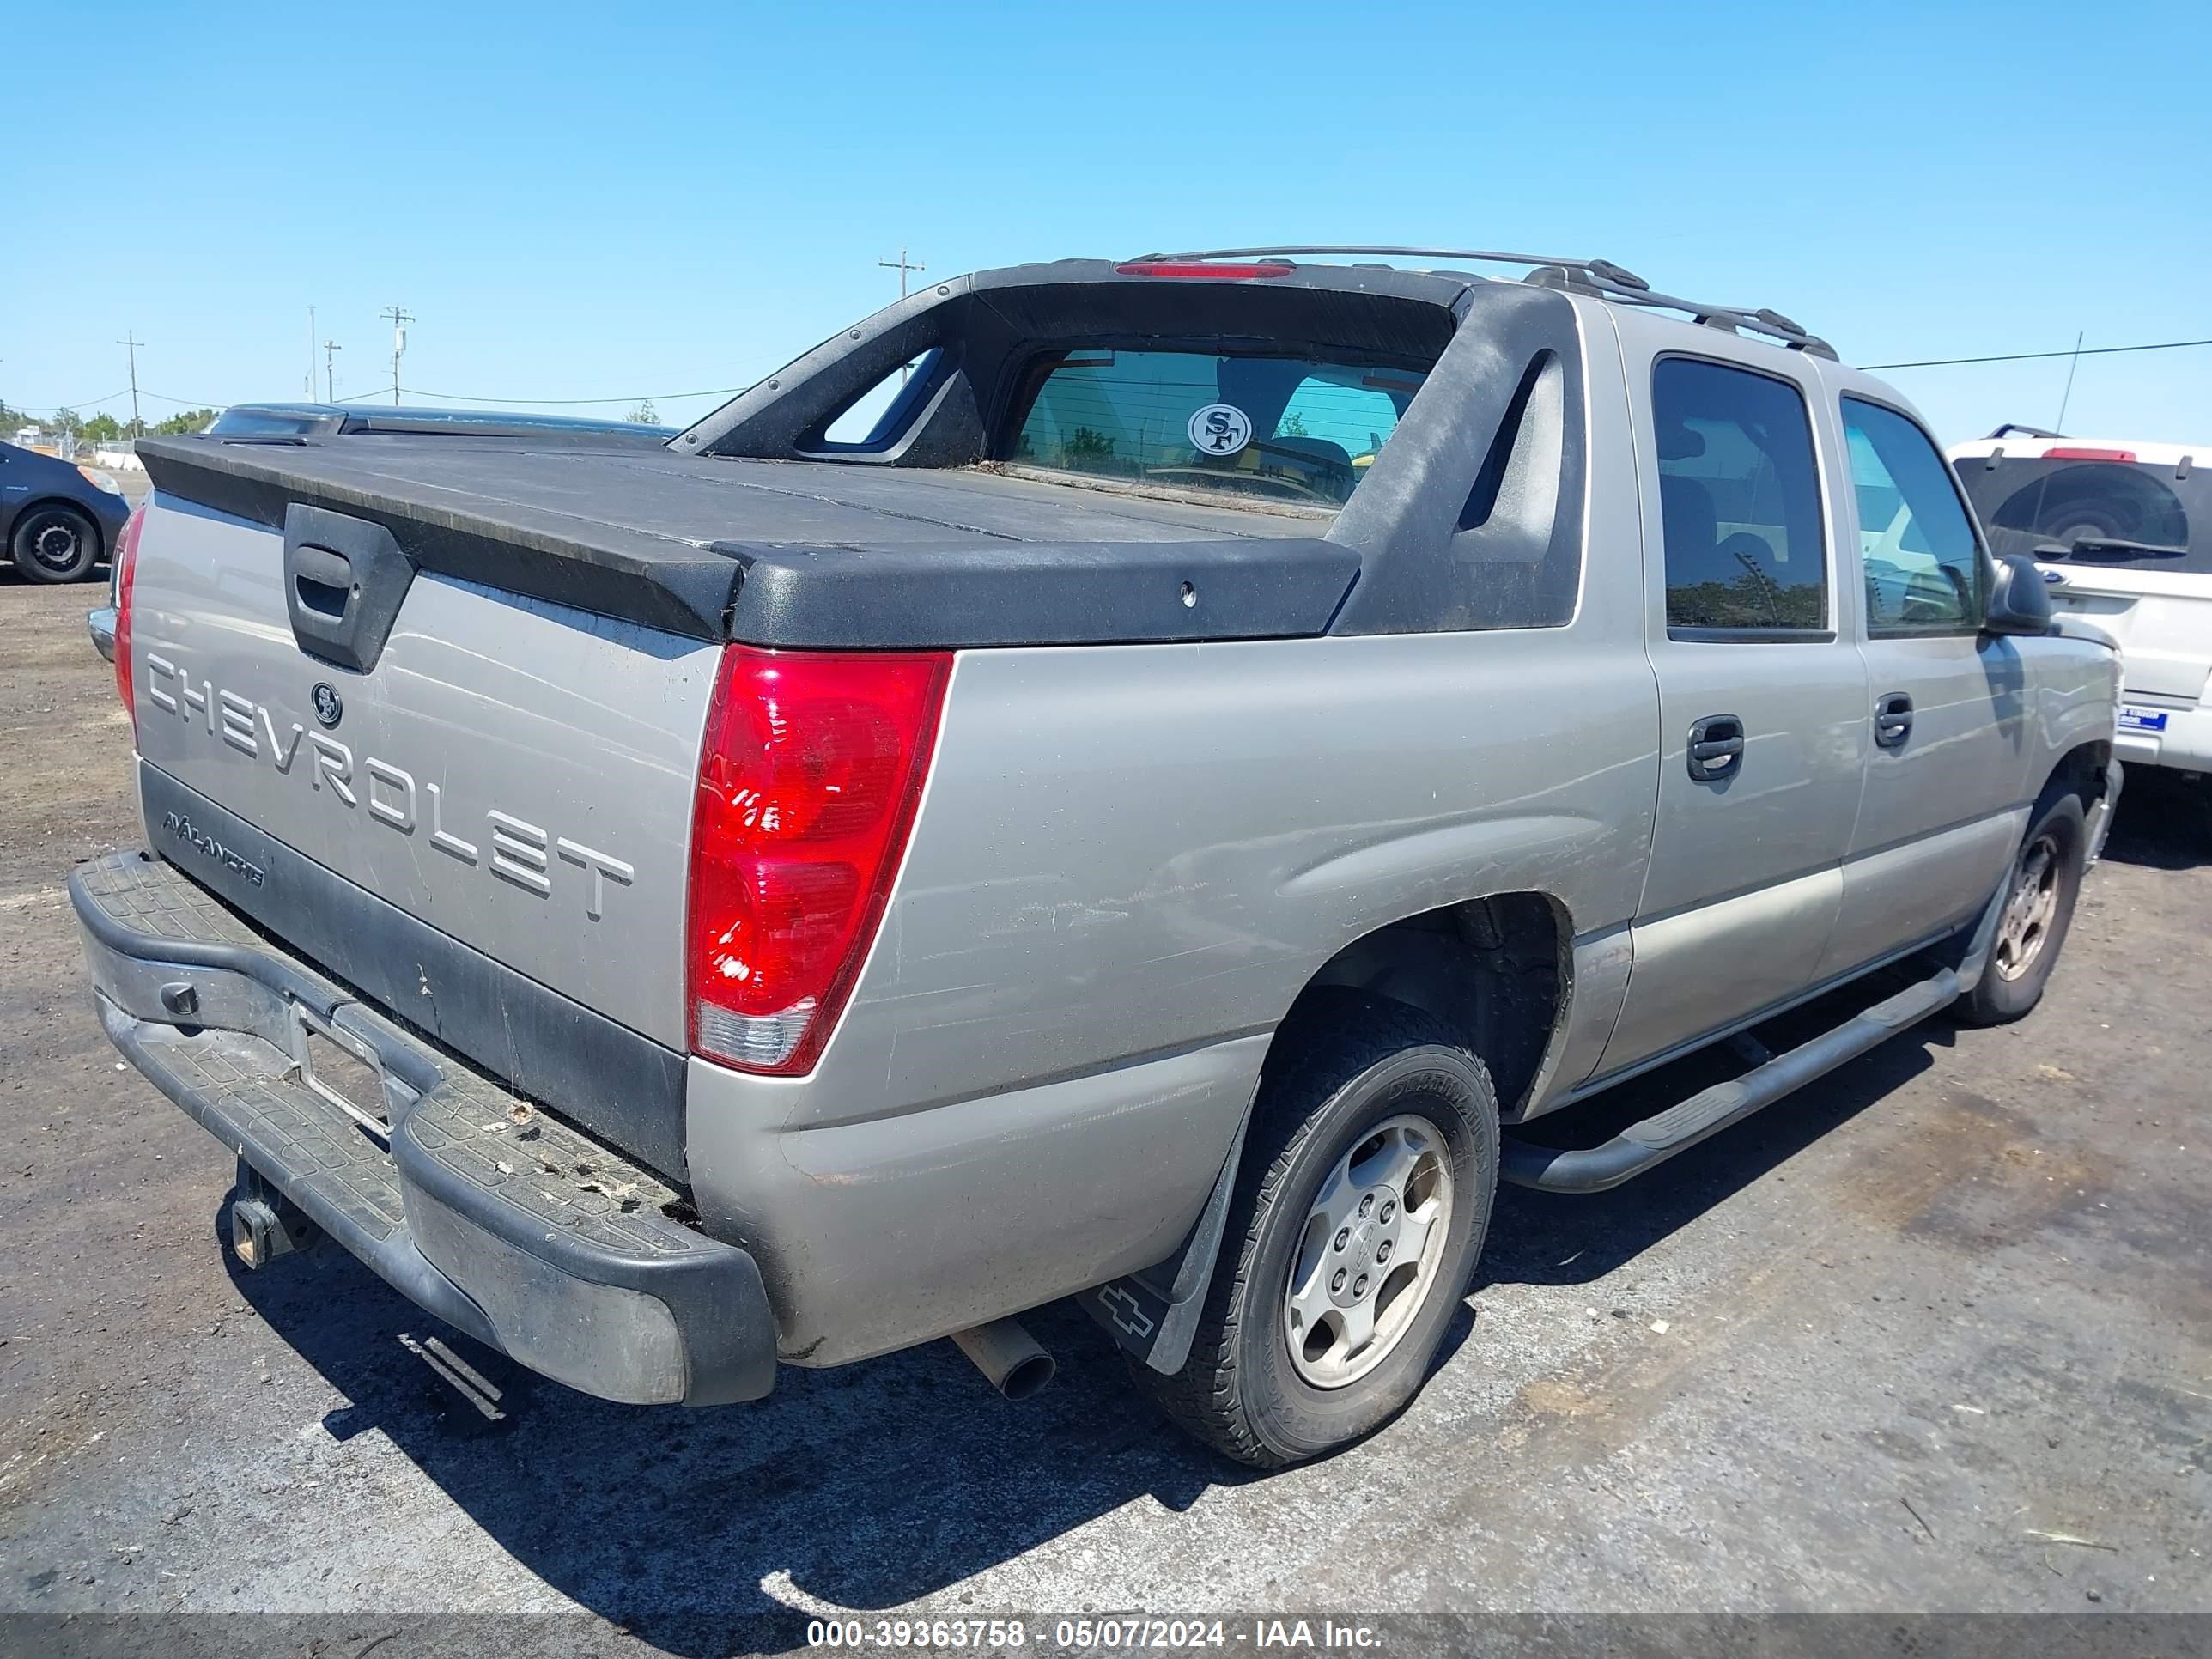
344 581
323 581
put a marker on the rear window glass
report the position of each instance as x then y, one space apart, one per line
2112 514
1291 430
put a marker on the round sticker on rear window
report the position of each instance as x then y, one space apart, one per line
1220 429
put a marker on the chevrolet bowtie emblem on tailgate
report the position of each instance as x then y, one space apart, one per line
517 852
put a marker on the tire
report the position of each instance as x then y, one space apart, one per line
1385 1082
54 544
2031 931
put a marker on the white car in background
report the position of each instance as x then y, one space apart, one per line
2122 529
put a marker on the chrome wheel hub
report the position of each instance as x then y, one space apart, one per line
2030 909
1368 1256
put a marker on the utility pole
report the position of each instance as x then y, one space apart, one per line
310 386
902 265
399 321
132 343
331 348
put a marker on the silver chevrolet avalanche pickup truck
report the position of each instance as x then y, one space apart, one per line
1124 781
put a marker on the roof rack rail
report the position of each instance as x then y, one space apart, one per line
2010 428
1599 277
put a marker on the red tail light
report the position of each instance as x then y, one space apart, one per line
808 781
122 568
1216 272
2124 456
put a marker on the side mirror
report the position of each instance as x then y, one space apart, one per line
2019 600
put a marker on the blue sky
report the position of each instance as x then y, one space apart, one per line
605 201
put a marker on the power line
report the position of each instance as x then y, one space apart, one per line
78 403
732 391
2030 356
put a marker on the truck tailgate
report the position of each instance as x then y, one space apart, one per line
517 775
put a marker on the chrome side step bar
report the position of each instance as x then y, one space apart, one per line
1646 1145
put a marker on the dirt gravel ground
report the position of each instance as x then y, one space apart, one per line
1935 1335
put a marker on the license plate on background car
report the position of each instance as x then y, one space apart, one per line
2133 719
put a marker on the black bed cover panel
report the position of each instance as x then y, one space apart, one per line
800 554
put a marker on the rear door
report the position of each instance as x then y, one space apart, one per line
1762 699
1946 768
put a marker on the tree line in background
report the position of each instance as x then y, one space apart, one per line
102 429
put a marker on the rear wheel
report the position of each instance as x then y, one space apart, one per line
55 544
2038 909
1360 1210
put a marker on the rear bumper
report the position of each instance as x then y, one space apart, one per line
526 1234
101 625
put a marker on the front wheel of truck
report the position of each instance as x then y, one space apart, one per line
1360 1209
2038 909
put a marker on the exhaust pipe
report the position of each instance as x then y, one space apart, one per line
1009 1356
